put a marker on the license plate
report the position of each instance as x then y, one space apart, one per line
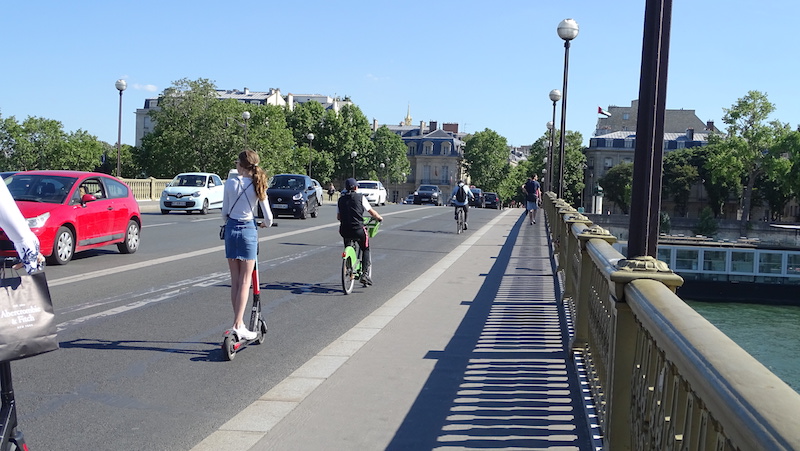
280 206
179 204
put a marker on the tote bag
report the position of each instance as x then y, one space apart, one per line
27 321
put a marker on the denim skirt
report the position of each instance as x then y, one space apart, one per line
241 240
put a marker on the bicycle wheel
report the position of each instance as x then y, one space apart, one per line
460 221
348 278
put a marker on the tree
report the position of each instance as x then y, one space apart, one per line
574 163
706 225
391 151
486 159
39 143
745 149
344 133
679 177
617 185
192 131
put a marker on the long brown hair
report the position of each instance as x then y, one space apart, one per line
249 160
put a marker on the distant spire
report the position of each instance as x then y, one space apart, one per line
407 121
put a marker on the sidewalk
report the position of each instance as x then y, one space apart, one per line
470 355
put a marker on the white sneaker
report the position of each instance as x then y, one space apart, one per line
244 334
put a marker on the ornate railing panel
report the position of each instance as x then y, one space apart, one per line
661 376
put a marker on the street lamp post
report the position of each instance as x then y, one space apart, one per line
121 85
310 137
555 96
567 30
353 155
245 117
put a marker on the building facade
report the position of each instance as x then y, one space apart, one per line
614 142
435 154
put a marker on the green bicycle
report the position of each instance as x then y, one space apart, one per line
351 258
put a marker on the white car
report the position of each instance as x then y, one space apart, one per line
374 190
192 191
318 189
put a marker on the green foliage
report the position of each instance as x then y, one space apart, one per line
574 162
679 177
39 143
617 184
706 225
486 159
664 222
391 151
740 157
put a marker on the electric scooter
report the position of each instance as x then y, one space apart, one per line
232 342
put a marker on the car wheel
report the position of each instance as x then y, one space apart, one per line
314 211
132 238
304 212
204 210
164 212
63 247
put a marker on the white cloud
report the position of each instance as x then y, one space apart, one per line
148 88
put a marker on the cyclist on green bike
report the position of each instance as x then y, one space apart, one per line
350 212
461 196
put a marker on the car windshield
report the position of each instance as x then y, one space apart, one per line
50 189
286 182
490 196
189 180
367 185
475 191
428 188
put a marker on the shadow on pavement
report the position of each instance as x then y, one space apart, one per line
505 379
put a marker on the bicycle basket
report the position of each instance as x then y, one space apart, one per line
372 226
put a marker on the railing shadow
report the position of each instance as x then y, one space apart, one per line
505 379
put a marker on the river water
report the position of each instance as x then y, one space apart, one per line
769 333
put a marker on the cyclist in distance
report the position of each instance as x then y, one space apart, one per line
461 196
350 211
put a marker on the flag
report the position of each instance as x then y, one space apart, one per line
603 112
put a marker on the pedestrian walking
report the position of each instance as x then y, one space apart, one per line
331 191
533 192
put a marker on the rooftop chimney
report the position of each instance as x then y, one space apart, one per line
690 134
710 126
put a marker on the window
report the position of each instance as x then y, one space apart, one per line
714 260
770 263
793 264
626 116
411 149
665 255
686 259
446 148
608 162
742 261
427 148
116 189
426 173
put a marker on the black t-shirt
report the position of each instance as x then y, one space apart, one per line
351 213
532 187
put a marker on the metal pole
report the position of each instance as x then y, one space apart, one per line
563 122
119 135
649 152
550 151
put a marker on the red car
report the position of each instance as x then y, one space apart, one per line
72 211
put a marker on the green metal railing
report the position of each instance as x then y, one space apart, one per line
661 376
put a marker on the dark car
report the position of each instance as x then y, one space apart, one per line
293 195
478 201
428 194
492 201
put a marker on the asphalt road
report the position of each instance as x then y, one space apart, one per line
141 367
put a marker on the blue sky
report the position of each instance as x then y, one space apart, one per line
480 64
